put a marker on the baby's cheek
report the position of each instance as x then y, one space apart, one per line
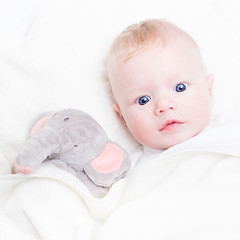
201 113
139 131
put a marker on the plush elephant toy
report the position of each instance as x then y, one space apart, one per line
72 140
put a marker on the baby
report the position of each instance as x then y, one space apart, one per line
161 89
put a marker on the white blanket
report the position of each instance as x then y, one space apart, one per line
190 192
50 204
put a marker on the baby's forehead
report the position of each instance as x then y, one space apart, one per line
178 49
177 43
175 58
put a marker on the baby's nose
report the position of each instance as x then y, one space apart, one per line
164 105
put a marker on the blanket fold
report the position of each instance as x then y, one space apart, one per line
52 204
188 197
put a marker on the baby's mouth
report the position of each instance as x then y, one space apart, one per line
170 125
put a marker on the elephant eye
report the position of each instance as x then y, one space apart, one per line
66 119
75 146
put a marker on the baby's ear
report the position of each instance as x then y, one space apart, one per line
118 111
39 125
210 80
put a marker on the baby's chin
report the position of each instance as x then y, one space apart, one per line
166 146
162 146
170 143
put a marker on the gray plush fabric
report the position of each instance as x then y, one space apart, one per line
71 140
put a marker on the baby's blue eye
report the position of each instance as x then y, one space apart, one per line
181 87
143 100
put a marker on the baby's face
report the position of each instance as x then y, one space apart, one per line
163 95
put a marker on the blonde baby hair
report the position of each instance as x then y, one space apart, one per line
139 36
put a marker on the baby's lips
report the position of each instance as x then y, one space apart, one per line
24 170
167 123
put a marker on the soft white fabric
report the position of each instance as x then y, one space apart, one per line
51 204
191 191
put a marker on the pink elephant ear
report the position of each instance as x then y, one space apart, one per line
39 125
110 166
109 160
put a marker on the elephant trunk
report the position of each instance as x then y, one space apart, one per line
38 148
